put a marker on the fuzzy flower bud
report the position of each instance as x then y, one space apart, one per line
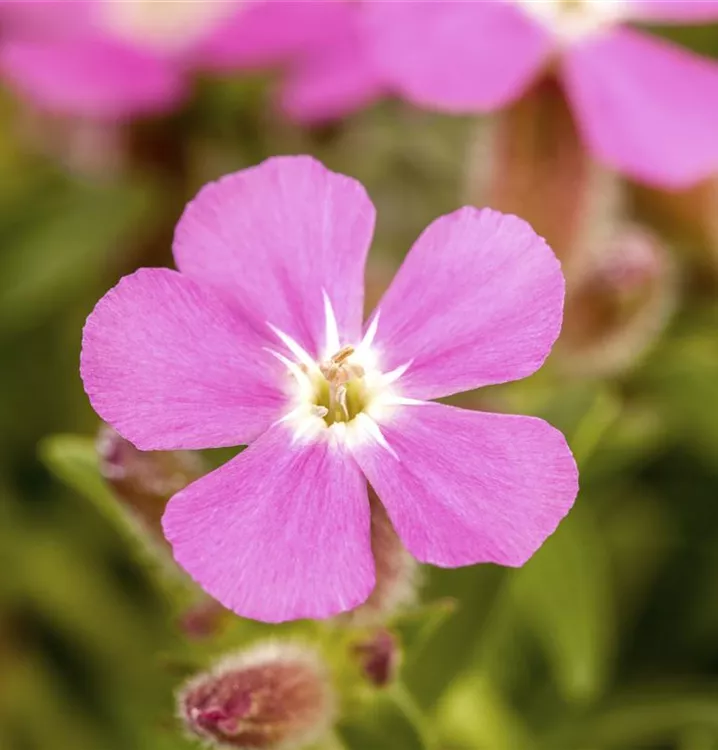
396 571
145 480
619 305
272 696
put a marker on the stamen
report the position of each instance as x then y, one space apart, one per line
343 386
343 354
342 400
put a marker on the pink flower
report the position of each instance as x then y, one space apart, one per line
105 59
258 339
643 105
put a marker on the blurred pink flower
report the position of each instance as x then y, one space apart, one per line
259 339
115 59
644 106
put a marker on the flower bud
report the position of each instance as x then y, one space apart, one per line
530 161
145 480
396 571
83 147
274 695
202 619
379 657
619 305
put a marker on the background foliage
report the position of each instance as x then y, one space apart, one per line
607 639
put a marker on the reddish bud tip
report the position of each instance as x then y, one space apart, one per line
379 657
145 480
269 697
203 619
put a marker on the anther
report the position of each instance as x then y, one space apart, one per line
342 355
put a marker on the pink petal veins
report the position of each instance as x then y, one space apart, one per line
478 300
466 487
170 366
275 239
279 533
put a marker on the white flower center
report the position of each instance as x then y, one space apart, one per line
164 24
570 20
342 395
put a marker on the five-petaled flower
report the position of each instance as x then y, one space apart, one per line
643 105
259 339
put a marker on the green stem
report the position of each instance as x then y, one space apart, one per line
405 702
333 742
601 415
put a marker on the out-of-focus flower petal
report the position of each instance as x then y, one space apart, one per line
464 487
333 78
168 27
454 55
90 77
674 11
268 32
478 300
46 19
279 533
274 239
646 107
170 366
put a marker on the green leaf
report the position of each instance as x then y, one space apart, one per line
416 627
473 715
74 460
699 738
443 655
50 260
564 594
641 718
385 723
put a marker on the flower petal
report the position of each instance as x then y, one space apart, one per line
90 77
646 107
170 366
674 11
335 76
275 238
466 487
279 533
478 300
457 56
46 19
269 32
